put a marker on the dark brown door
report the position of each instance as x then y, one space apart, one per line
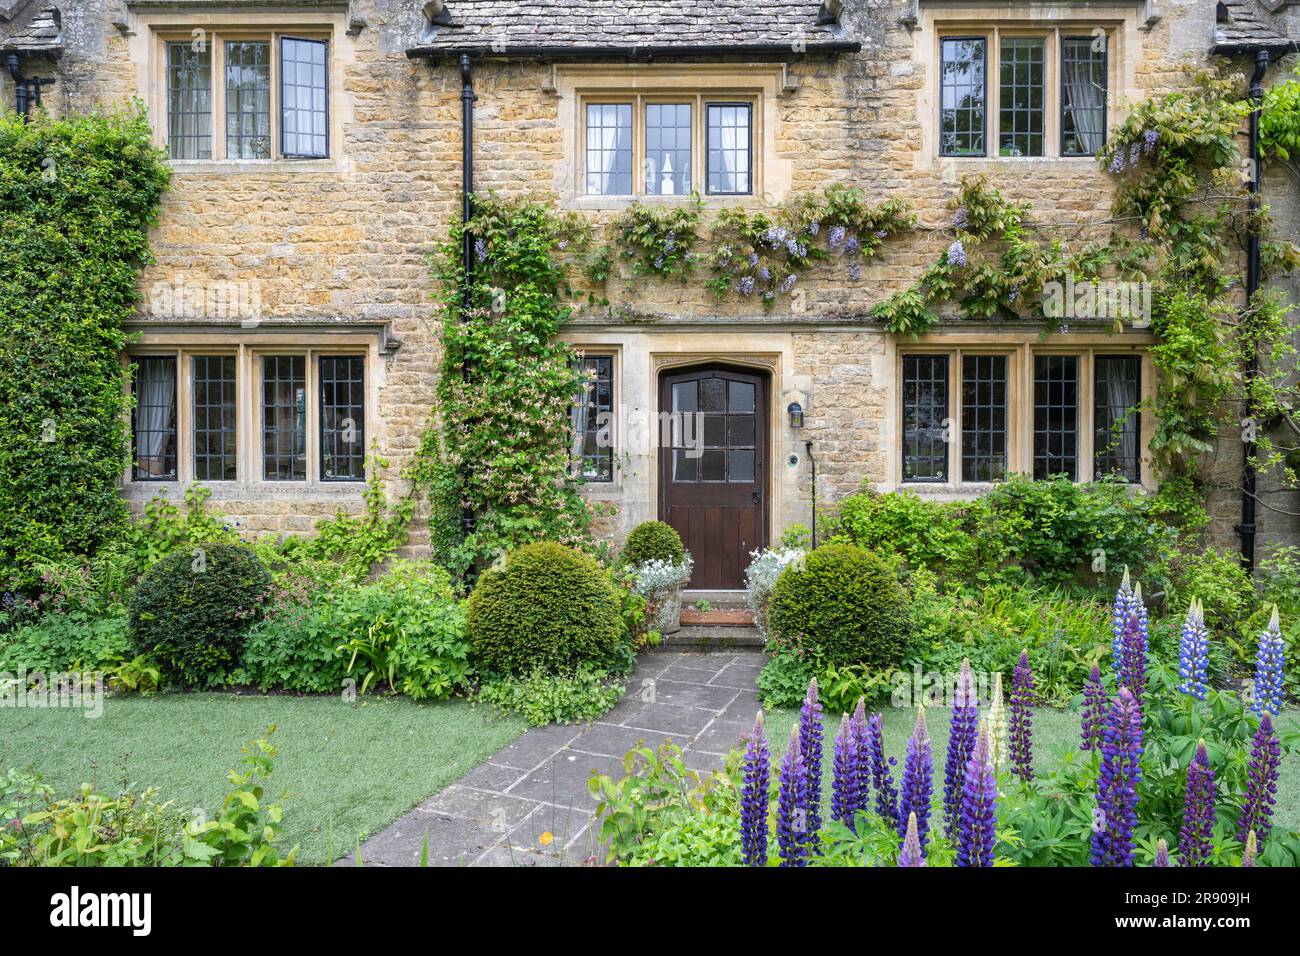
713 477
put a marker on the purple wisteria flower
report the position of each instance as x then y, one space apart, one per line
835 237
746 285
1094 710
1162 853
1251 851
881 776
1196 837
1121 771
1261 783
962 731
918 781
855 272
810 746
976 831
670 241
851 246
1022 719
480 249
765 274
1117 162
1193 654
1149 138
757 769
1134 153
862 744
659 262
910 854
844 767
775 236
788 282
957 254
814 227
791 812
753 259
961 218
1269 664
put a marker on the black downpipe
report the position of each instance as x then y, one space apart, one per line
467 212
807 446
1247 527
27 90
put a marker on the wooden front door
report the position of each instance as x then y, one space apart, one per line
713 471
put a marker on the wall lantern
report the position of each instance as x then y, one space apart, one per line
795 411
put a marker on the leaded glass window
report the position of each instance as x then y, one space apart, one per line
668 149
609 149
961 95
925 418
1021 93
343 418
214 413
284 417
248 99
304 95
730 152
189 100
1083 95
1056 416
591 420
983 417
153 420
1117 390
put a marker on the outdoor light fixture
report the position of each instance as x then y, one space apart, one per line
795 410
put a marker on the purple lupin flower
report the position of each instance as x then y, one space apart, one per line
1121 770
1269 665
881 777
918 781
862 744
1261 783
910 854
1022 719
1251 851
961 743
1119 614
844 784
1131 668
757 769
791 812
810 746
1196 837
1094 710
1162 853
1193 654
977 829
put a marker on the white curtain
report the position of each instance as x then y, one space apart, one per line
1087 102
602 149
733 147
154 410
578 422
1122 397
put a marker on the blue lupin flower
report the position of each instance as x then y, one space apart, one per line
756 770
962 731
1193 654
810 746
918 781
844 782
1269 665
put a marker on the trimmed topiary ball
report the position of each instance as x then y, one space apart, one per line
653 541
192 610
844 604
547 607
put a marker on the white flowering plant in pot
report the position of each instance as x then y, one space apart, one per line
661 582
761 575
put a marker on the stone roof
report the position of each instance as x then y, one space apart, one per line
41 35
574 27
1240 27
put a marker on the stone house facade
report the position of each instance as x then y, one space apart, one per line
290 323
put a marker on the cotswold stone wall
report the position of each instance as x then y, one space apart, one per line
347 241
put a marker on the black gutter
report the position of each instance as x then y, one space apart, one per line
552 54
467 213
808 448
27 89
1247 527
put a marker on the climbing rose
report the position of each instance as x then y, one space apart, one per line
1197 834
753 799
810 746
1193 654
1094 710
1022 719
791 812
881 778
1261 783
918 781
976 831
1121 771
911 854
961 742
1269 664
844 784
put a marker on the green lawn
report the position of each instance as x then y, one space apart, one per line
1053 729
355 767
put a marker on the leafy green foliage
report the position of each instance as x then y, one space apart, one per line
542 698
77 196
192 610
660 240
653 541
1279 121
549 607
245 828
61 643
844 605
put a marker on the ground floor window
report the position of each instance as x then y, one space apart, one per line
248 414
591 420
972 415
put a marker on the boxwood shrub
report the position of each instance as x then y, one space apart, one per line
653 541
547 607
192 610
842 604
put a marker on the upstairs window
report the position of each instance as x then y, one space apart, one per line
647 145
271 99
1026 112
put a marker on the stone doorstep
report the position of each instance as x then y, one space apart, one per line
718 617
712 638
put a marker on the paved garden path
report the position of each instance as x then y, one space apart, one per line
529 805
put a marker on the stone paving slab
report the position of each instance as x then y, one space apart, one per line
528 805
